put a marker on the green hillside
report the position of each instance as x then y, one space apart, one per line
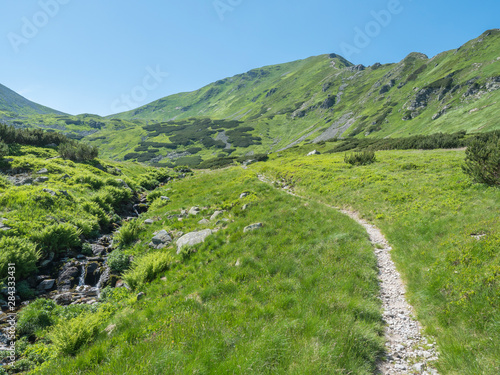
18 105
455 90
317 99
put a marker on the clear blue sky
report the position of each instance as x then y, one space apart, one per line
82 56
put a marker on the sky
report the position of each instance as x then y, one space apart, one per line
107 56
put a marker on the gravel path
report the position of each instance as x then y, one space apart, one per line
407 351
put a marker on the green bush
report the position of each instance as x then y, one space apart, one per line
37 316
58 237
118 261
69 336
4 149
78 151
146 269
128 233
482 161
360 158
21 252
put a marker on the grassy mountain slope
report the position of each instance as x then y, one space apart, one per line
15 103
455 90
444 231
311 100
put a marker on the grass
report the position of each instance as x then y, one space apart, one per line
433 216
295 297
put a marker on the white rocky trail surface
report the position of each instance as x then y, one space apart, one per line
407 351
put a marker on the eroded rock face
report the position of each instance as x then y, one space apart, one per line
192 239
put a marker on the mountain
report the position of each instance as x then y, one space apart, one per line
326 96
10 101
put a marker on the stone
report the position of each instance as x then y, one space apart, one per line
243 195
165 198
68 277
41 179
253 227
65 177
204 222
192 239
46 285
98 249
141 296
51 192
161 238
63 299
215 215
64 192
43 171
148 221
245 207
315 152
194 211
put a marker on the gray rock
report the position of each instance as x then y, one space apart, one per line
64 192
46 285
65 177
98 249
43 171
123 184
245 207
165 198
149 221
243 195
315 152
161 238
41 179
141 296
192 239
204 222
194 211
215 215
253 227
63 299
4 227
51 192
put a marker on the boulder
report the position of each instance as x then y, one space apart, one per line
98 250
315 152
164 198
192 239
149 221
243 195
194 211
63 299
46 285
253 227
68 277
215 215
43 171
41 179
161 240
204 222
51 192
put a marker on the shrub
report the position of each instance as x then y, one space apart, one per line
4 149
482 161
78 151
69 336
58 237
37 316
360 158
128 233
146 269
23 253
118 261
